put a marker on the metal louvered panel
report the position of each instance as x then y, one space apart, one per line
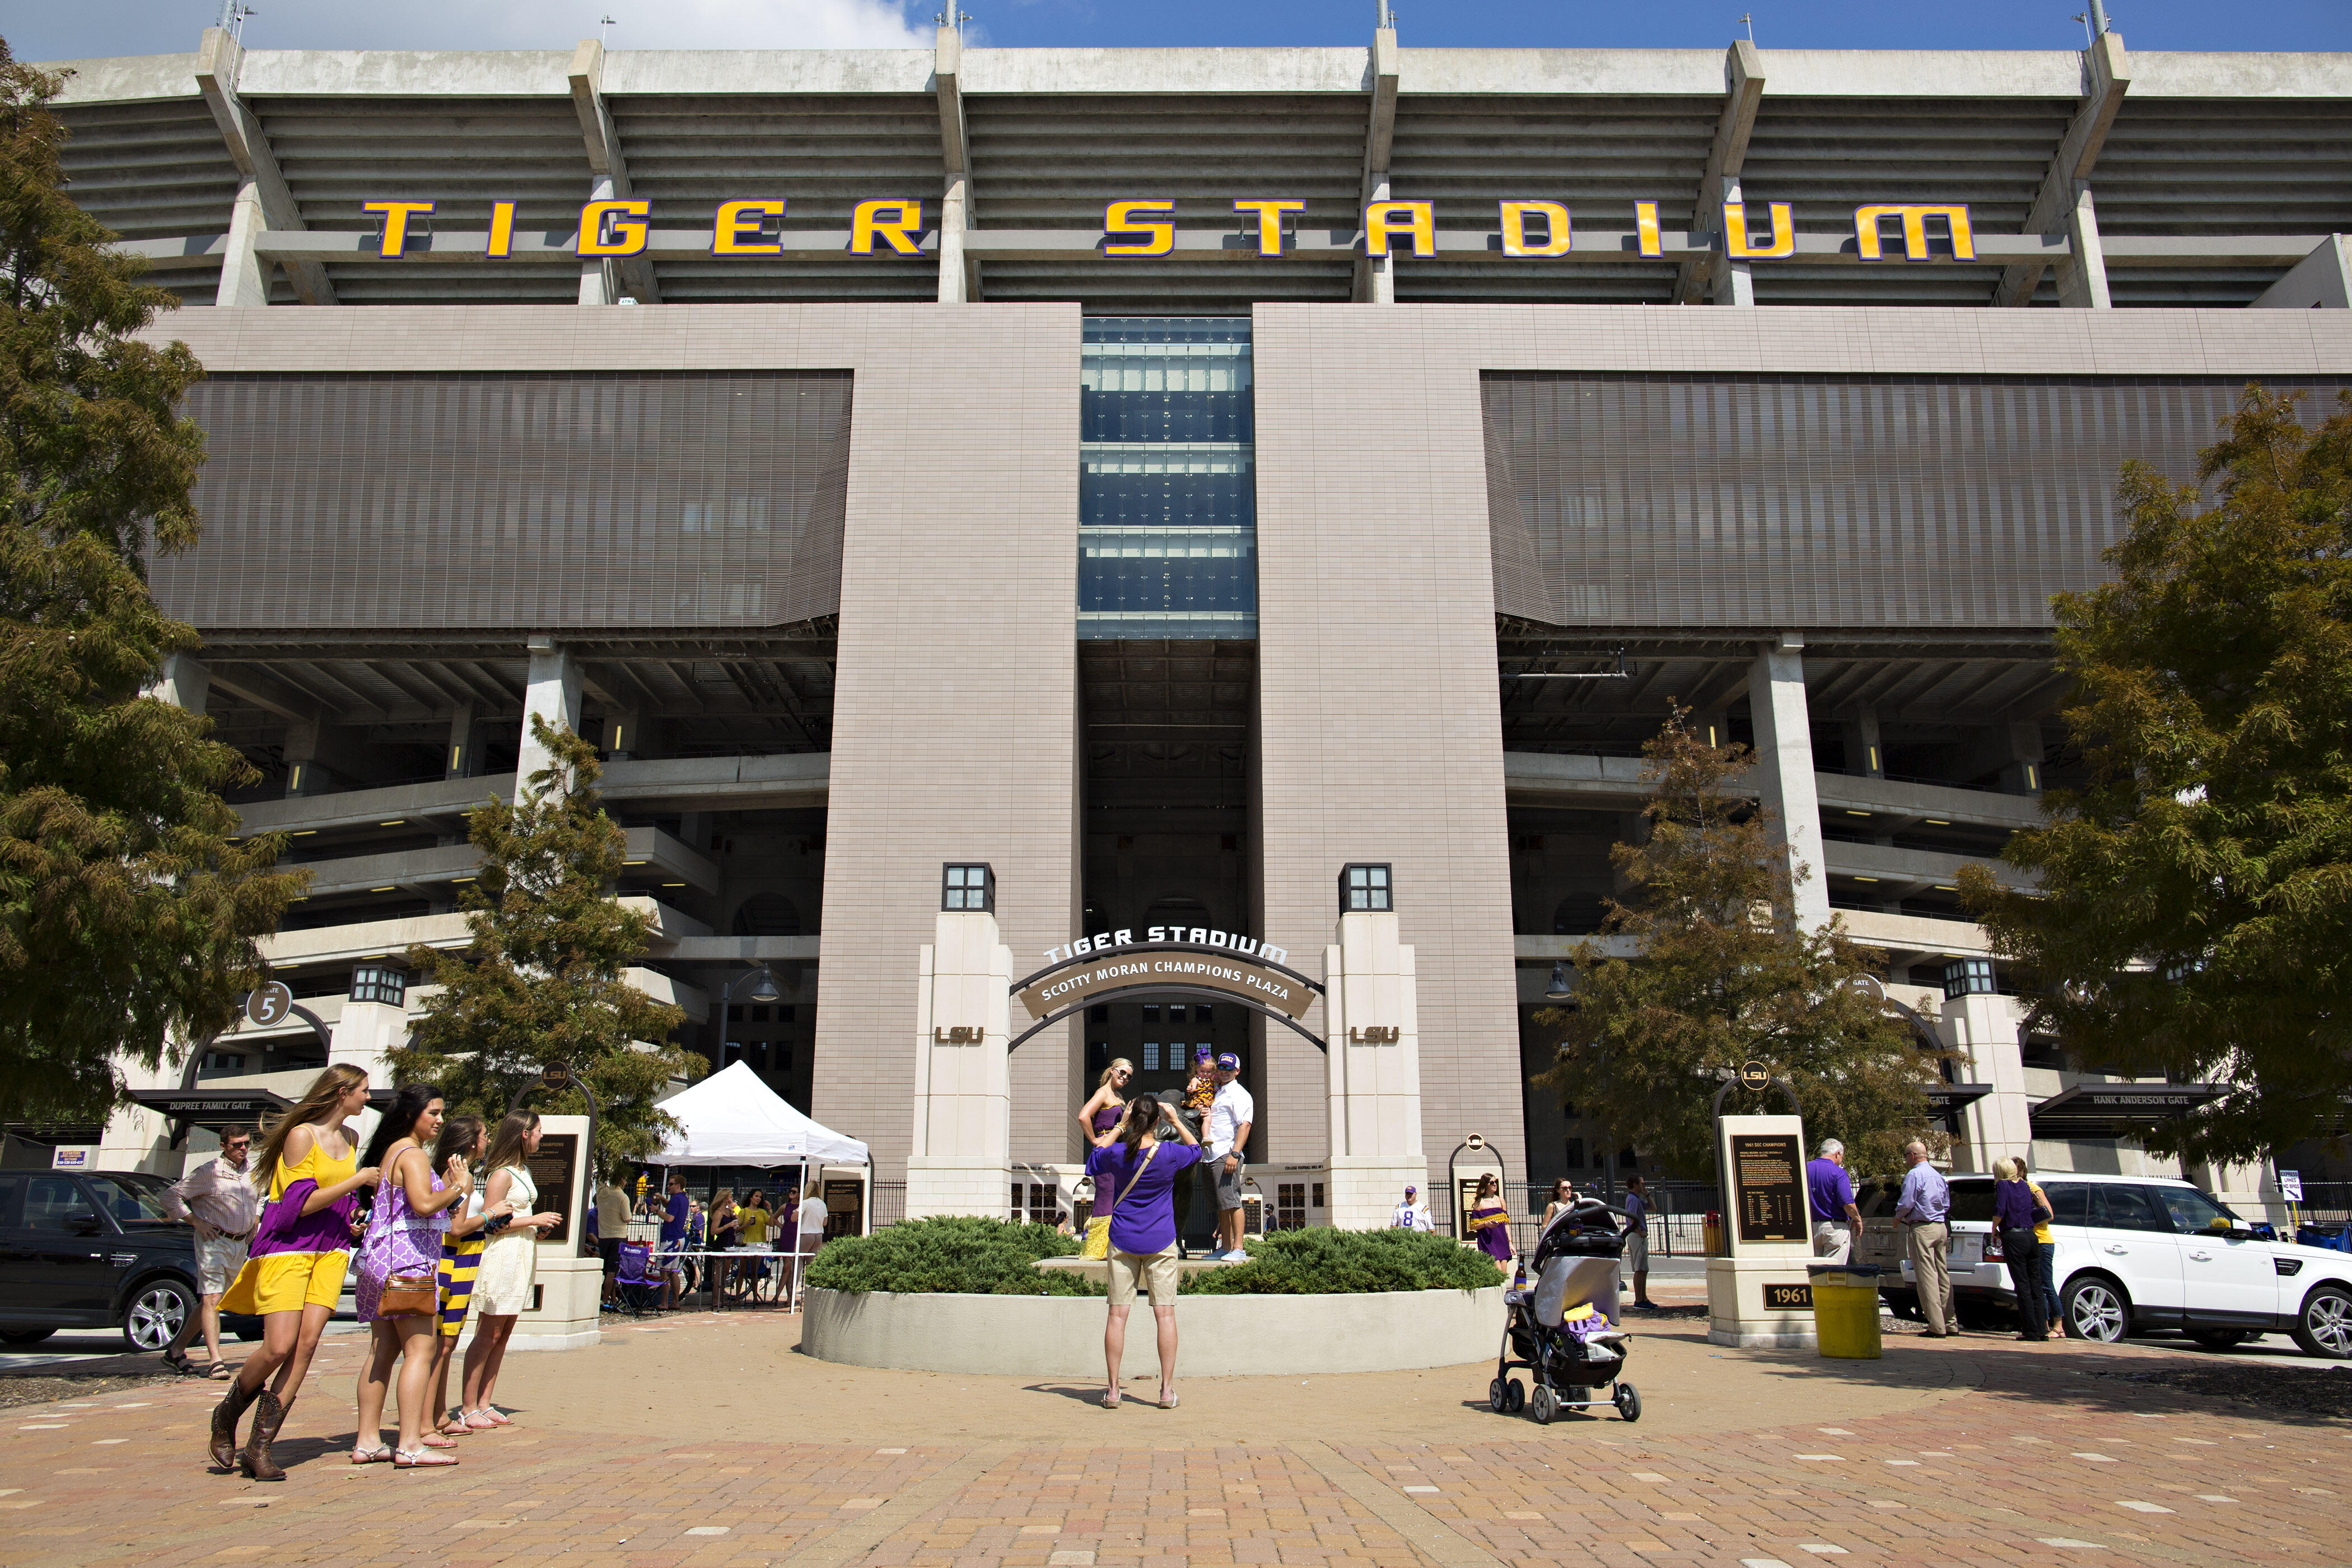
1057 163
1600 156
1890 283
1830 155
425 501
1436 280
2227 166
150 169
1821 501
461 152
1114 285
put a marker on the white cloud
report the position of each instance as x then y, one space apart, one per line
172 27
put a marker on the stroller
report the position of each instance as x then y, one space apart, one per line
1564 1326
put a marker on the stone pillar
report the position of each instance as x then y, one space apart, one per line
1784 770
962 1152
1372 1053
244 274
1729 282
955 217
369 1029
553 694
1982 1026
1863 755
1379 287
2082 275
600 280
183 682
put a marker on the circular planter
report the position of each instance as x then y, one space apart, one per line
1224 1336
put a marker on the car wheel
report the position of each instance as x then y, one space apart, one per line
2221 1339
2324 1327
24 1336
159 1309
2095 1308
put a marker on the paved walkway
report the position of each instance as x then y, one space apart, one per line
708 1440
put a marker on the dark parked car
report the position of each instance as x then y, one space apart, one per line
92 1251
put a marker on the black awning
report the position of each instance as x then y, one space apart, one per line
2116 1109
213 1108
1952 1097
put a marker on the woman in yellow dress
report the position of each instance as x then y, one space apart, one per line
294 1273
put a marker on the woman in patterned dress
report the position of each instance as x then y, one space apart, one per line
404 1241
462 1138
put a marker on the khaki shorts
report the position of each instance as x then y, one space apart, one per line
1156 1269
218 1260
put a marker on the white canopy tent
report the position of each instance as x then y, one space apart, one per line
732 1118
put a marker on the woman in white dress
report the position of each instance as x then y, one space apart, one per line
510 1259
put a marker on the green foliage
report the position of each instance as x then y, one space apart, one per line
965 1255
1326 1262
2195 910
1724 975
130 915
541 985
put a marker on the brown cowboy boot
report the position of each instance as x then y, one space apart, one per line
225 1415
266 1420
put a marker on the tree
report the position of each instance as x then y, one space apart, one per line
2194 917
130 914
1721 974
541 985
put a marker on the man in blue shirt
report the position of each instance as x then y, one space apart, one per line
1836 1221
1923 1208
1637 1241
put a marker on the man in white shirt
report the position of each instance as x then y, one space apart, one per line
221 1204
810 1218
1412 1213
1231 1115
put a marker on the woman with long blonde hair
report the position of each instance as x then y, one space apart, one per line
510 1260
1098 1118
293 1275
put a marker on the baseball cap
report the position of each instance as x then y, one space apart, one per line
1409 1190
1230 1062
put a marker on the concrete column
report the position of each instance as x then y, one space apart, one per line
1371 1022
1729 282
955 216
1376 275
962 1155
1863 755
600 280
463 759
625 734
2022 773
1784 770
183 682
1983 1028
553 694
2082 276
244 274
303 774
365 1037
2320 281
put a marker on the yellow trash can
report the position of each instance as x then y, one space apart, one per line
1845 1311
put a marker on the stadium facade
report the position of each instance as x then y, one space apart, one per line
1168 478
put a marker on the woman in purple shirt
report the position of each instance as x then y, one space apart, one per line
1135 1179
2013 1216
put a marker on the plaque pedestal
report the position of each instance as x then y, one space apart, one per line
1759 1298
1739 1312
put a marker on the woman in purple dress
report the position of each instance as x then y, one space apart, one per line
1099 1117
1490 1220
403 1242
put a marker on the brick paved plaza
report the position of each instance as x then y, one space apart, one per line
708 1440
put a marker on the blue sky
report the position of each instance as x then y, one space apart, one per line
49 29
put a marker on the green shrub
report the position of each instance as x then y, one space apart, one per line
966 1255
1327 1262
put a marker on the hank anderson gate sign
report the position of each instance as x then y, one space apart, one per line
1169 957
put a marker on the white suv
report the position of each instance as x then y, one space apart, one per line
2135 1253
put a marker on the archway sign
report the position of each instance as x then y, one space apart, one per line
1193 961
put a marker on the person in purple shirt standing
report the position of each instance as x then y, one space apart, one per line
1836 1221
1135 1178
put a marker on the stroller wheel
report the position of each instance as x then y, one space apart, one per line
1499 1396
1518 1393
1543 1404
1629 1402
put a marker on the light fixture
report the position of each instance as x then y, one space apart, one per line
393 889
1942 887
304 833
1852 813
672 884
763 986
1935 822
1558 989
1866 878
395 822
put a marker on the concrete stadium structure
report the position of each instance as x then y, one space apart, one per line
1168 478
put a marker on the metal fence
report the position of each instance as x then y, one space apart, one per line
889 1203
2324 1203
1677 1220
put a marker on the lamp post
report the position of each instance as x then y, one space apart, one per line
763 989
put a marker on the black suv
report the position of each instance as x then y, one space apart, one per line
92 1251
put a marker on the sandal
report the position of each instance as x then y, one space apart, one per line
218 1371
1110 1399
1167 1400
375 1456
496 1416
179 1363
419 1459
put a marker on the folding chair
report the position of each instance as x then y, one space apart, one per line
639 1290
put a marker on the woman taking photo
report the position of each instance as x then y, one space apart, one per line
1135 1175
1490 1222
510 1260
1098 1118
294 1273
464 1139
398 1294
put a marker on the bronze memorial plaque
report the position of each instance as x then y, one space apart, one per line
1768 1185
551 1168
1204 969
